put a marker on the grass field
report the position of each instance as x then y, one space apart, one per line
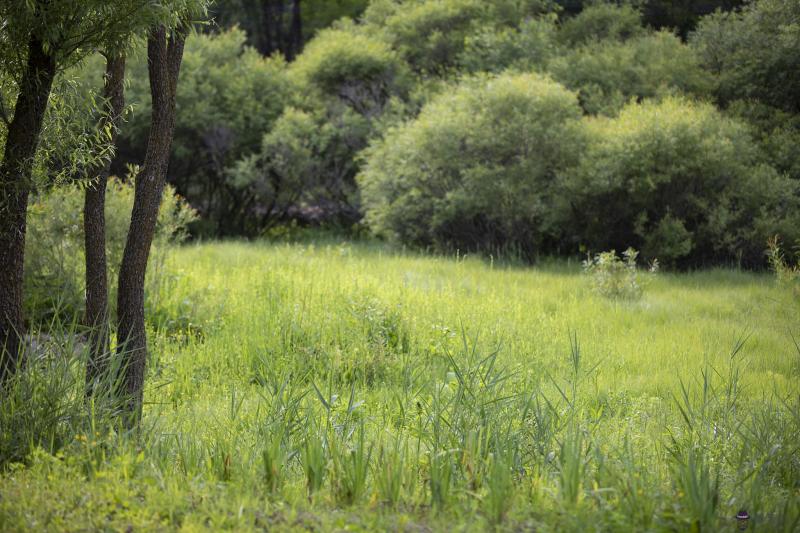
346 386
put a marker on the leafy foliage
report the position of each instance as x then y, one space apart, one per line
429 35
527 47
67 32
70 141
475 170
54 259
753 53
683 182
610 74
360 70
600 22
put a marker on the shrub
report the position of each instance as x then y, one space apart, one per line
432 34
681 181
527 47
54 256
777 131
360 70
429 35
600 22
475 170
615 277
753 52
304 170
608 75
306 166
278 175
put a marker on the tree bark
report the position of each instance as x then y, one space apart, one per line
164 55
16 168
94 229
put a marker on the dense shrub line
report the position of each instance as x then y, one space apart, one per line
509 163
529 127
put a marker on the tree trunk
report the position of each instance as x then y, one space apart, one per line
15 183
94 229
269 41
164 57
295 32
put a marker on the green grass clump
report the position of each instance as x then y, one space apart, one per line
348 386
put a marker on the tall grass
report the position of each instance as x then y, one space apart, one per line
347 386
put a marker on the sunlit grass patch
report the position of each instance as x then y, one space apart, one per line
350 385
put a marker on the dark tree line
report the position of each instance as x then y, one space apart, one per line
282 26
273 25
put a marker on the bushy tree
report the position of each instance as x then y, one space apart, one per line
432 34
601 22
429 35
476 169
610 74
753 57
305 170
347 81
680 181
527 47
754 52
777 132
361 71
276 178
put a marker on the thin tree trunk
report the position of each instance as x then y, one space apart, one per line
268 41
22 141
295 32
164 60
94 229
279 35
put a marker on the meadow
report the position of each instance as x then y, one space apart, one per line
335 385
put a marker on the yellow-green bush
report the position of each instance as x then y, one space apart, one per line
681 182
601 21
361 70
54 255
527 47
475 170
608 75
429 35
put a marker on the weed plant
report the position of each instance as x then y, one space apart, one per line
615 277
